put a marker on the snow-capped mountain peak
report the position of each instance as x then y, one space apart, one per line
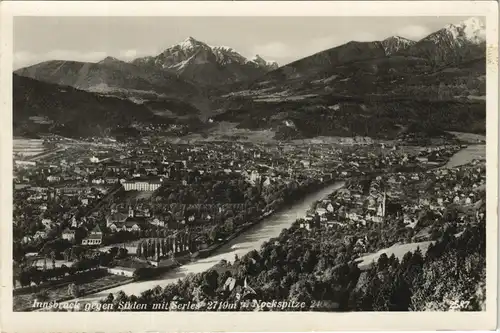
472 30
204 63
189 44
454 43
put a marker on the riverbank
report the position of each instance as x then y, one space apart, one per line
210 250
251 239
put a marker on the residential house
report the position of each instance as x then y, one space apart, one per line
116 218
157 222
53 178
47 223
123 271
148 185
40 235
74 222
26 239
321 211
68 235
94 238
131 224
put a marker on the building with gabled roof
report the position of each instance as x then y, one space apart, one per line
94 238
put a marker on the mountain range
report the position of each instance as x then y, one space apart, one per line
343 90
199 62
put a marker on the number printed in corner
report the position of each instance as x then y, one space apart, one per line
321 304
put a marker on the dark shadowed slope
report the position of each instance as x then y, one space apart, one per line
40 107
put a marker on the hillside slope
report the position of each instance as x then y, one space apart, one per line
40 107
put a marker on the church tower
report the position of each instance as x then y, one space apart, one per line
381 207
384 199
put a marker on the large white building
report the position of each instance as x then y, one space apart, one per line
142 185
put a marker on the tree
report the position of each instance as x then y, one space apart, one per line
67 254
158 247
229 225
214 234
122 253
42 296
152 248
382 262
141 273
25 278
113 251
163 247
138 251
73 290
300 292
109 299
145 249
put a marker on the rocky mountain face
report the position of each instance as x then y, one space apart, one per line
455 43
207 65
395 44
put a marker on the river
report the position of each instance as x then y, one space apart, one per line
466 155
251 239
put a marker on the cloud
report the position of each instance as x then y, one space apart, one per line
364 37
414 32
284 53
128 54
321 43
273 49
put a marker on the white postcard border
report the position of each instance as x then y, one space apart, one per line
240 321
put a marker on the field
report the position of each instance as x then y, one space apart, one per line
469 137
60 292
137 195
130 246
227 131
28 147
58 263
399 250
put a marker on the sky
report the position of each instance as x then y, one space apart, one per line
281 39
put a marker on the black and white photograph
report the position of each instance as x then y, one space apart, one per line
235 163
